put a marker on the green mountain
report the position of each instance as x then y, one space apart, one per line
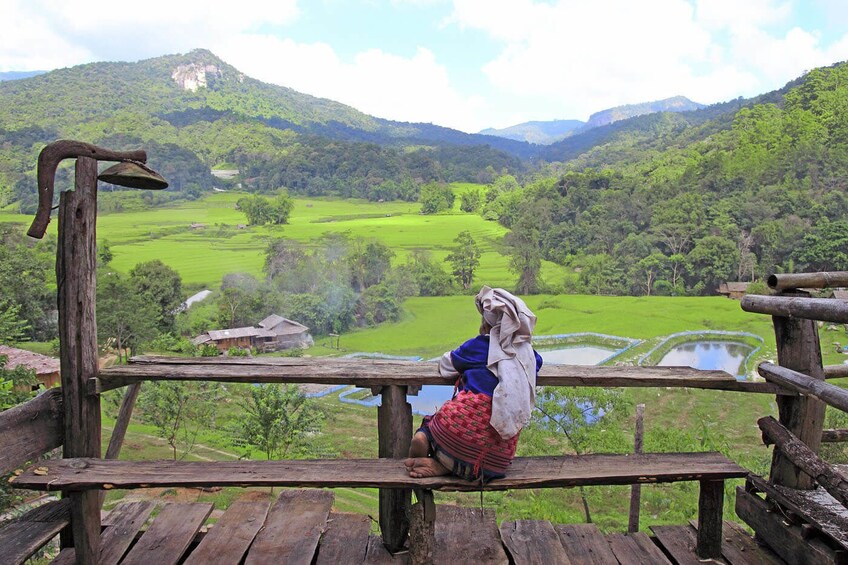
612 115
541 133
194 111
15 75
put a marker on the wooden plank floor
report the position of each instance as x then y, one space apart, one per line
299 527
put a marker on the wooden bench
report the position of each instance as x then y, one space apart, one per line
29 431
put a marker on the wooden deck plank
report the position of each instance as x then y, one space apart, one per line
345 540
636 549
739 548
121 526
526 472
467 535
292 529
377 554
370 372
584 543
533 542
679 542
228 540
24 535
170 534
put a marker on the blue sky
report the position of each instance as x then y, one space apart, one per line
467 64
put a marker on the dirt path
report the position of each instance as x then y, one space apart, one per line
196 445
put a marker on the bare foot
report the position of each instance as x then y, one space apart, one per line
420 467
420 445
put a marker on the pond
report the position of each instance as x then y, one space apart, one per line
721 355
431 397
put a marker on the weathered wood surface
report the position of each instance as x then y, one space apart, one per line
467 535
834 436
710 509
814 506
533 542
679 542
345 540
785 539
377 554
832 279
525 472
831 394
76 264
369 373
120 529
31 429
636 549
585 544
836 371
228 540
819 309
739 548
636 490
170 534
394 427
805 459
798 349
122 422
26 534
292 529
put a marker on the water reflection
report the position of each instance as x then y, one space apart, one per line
576 355
709 355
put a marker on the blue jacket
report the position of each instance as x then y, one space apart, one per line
469 359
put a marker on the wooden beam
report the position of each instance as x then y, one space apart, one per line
369 373
830 394
832 279
31 429
798 349
834 436
636 490
121 424
26 534
805 458
525 472
394 426
836 371
76 266
710 517
820 309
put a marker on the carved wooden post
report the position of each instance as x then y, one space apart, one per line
798 349
394 424
76 263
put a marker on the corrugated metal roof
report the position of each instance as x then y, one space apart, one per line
42 364
233 333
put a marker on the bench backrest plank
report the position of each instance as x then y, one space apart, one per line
31 429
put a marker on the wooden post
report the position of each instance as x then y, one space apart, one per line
636 490
798 349
710 513
394 425
116 441
76 262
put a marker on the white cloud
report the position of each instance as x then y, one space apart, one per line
411 89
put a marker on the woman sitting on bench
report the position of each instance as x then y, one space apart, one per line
474 435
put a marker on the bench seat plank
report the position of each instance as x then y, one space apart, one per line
292 529
26 534
228 540
526 472
381 372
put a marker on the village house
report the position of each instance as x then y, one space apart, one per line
46 368
274 333
735 290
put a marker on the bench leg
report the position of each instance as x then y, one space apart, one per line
394 425
710 509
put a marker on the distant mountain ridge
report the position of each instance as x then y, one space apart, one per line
548 132
17 75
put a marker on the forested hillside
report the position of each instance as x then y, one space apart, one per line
192 112
677 207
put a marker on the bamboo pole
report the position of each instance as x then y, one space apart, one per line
822 309
808 280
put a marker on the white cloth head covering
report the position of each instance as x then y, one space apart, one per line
511 358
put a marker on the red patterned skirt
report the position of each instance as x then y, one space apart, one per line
461 430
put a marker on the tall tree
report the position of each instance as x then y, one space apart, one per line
123 314
464 258
161 286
